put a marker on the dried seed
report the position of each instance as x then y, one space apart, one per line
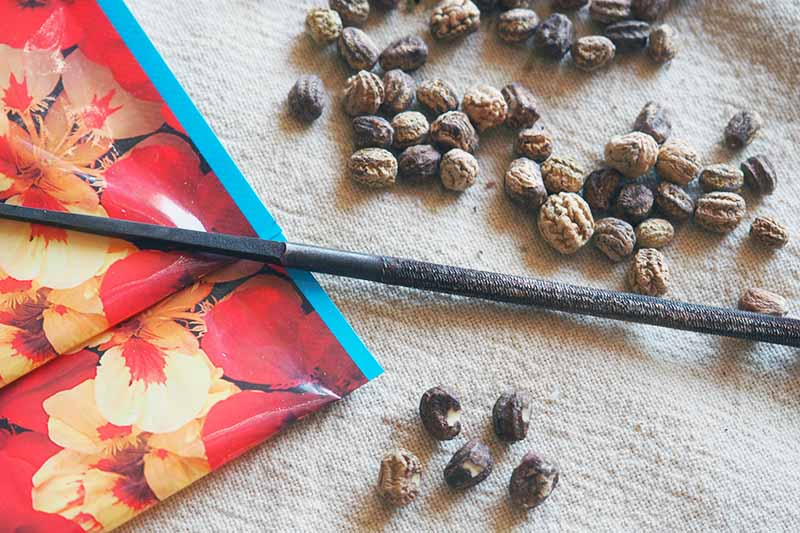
521 106
358 49
634 202
654 120
554 35
458 170
399 89
628 35
534 143
678 162
654 233
353 12
615 238
523 184
565 222
568 5
399 477
563 174
511 416
363 94
323 25
593 52
601 188
719 212
454 130
674 202
307 98
649 274
532 481
407 53
769 232
372 132
608 11
742 128
419 164
721 177
440 412
373 167
633 154
759 174
437 96
452 19
485 107
664 43
410 128
470 465
516 25
763 301
649 10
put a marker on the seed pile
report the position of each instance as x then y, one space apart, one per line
531 483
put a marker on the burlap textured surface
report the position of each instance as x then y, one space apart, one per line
654 430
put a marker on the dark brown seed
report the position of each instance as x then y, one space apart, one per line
524 185
307 98
399 477
440 412
593 52
719 212
437 96
742 128
419 164
568 5
516 25
634 203
511 416
454 130
532 481
601 188
721 177
608 11
554 36
353 12
759 174
654 120
407 53
399 89
628 35
372 131
534 143
769 232
521 106
358 49
615 238
649 10
674 202
470 465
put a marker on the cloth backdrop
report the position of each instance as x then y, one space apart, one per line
653 429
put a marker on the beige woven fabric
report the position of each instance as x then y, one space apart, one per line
654 430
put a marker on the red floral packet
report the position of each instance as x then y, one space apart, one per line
170 365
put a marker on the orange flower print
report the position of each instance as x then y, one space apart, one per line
106 473
153 373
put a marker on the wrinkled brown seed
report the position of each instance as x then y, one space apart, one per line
593 52
769 232
554 35
534 143
511 416
664 43
485 107
358 49
452 19
470 465
677 162
440 412
523 184
458 170
437 96
323 25
454 130
654 233
742 128
757 300
406 53
649 273
615 238
719 212
673 202
307 98
410 128
633 154
363 94
372 131
399 90
759 174
353 12
516 25
373 167
634 202
654 120
419 164
563 174
399 477
628 35
521 106
565 222
601 188
721 177
532 481
608 11
649 10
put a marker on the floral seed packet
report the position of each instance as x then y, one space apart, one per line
151 368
